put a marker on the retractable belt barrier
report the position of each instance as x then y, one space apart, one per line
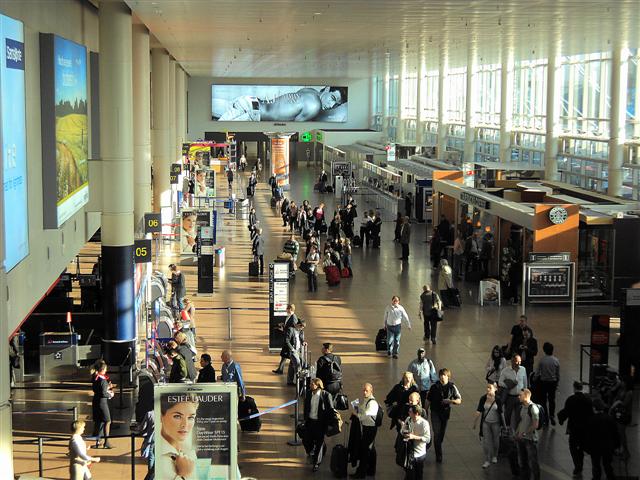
269 410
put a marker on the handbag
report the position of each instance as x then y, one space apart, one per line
334 426
305 267
342 402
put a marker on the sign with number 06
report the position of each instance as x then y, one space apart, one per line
152 223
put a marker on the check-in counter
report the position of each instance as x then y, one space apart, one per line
373 198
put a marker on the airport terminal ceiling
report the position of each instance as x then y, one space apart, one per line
351 39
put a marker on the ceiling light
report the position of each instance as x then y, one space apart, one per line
317 13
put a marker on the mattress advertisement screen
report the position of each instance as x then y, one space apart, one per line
64 105
14 141
279 103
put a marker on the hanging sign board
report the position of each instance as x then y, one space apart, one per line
152 223
278 300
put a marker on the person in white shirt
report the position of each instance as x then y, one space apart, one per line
175 456
513 380
416 429
366 411
79 460
394 314
318 406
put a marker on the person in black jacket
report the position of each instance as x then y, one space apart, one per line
398 397
178 287
258 249
290 321
329 369
603 440
207 373
577 410
102 393
528 350
318 410
441 396
294 341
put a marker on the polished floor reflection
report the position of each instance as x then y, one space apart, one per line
348 315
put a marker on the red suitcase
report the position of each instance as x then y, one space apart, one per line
333 275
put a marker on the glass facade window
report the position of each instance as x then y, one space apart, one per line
583 163
488 95
410 96
586 95
410 130
487 146
394 87
430 134
633 98
429 95
530 94
377 95
455 103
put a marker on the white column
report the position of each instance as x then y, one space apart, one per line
422 70
172 111
180 110
442 95
401 86
6 437
506 99
141 123
160 132
619 66
470 103
385 98
554 72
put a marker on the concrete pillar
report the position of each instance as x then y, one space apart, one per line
385 98
619 67
506 99
422 71
172 111
470 103
116 150
141 123
442 95
161 142
401 86
6 437
554 82
181 121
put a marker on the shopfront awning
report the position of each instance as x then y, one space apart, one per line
518 213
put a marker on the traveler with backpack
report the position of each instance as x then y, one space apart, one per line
329 369
431 310
424 373
417 431
318 409
370 416
441 396
491 417
527 437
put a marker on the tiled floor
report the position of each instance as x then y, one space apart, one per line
348 315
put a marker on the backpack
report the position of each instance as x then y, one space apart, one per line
379 416
543 418
334 373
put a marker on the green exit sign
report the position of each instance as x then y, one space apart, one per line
319 136
306 137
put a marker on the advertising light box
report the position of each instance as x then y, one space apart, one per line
14 142
279 103
65 128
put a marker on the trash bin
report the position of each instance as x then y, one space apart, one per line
242 209
219 257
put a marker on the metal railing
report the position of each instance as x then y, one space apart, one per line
73 410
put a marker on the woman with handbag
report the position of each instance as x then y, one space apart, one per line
398 397
417 432
318 412
431 311
290 321
495 365
491 417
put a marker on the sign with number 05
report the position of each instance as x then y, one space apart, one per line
142 251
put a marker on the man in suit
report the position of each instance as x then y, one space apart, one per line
405 237
603 440
318 409
207 373
293 341
577 410
258 249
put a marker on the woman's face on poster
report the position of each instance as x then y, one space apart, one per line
178 421
200 176
188 222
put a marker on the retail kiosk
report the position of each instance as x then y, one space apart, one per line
599 232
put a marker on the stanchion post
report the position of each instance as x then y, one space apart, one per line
229 323
296 441
40 465
133 457
75 413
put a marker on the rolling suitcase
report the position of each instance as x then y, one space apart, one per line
333 275
273 202
246 408
344 273
254 269
381 340
357 241
340 458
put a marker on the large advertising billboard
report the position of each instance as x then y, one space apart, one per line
14 141
190 221
64 106
279 103
196 431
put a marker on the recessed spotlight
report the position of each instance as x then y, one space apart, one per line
317 13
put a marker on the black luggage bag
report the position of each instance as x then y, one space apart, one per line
381 340
246 408
254 269
357 241
339 459
273 202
